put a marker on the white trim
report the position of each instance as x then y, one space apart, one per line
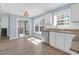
59 13
51 19
38 25
17 26
38 32
30 32
34 25
14 38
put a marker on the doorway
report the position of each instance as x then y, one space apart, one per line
23 28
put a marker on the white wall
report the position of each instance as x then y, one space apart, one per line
75 12
47 17
13 26
75 16
4 22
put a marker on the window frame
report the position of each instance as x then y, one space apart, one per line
64 20
39 25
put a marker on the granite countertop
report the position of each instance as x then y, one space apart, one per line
70 31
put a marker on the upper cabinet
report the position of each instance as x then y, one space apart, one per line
75 13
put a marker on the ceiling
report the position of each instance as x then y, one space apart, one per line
33 9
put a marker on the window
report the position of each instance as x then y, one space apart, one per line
62 17
39 25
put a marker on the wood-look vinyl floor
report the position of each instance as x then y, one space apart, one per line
26 46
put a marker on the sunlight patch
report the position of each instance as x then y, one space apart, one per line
34 40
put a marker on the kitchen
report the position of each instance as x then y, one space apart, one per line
57 27
61 32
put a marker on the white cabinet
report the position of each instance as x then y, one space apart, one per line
48 18
57 40
68 41
52 40
60 41
75 12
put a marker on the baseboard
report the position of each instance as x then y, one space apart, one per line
17 37
14 38
56 48
35 37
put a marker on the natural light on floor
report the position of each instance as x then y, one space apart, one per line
21 35
34 40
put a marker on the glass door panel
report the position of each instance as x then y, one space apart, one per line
23 29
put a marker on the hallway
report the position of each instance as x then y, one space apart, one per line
27 46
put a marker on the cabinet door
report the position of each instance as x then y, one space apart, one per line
60 41
52 40
68 41
75 12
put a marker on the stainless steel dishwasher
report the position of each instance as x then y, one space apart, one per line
45 35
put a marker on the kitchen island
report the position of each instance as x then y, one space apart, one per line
60 38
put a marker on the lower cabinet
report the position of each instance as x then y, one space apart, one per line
68 41
52 40
57 40
60 41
